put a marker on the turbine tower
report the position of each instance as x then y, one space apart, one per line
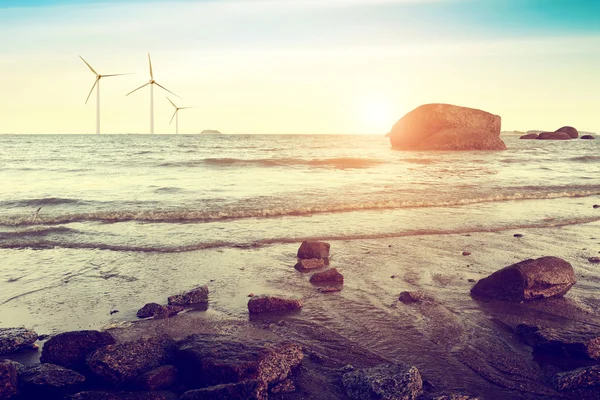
176 115
97 82
152 82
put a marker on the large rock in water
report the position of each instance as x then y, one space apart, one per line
266 304
569 130
447 127
528 280
530 136
9 386
554 136
194 296
14 339
386 382
208 360
69 349
309 250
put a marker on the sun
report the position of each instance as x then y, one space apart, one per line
377 116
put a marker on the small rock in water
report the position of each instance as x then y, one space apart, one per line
472 280
330 276
114 312
310 263
415 297
518 235
596 205
153 310
265 304
393 276
251 295
577 379
194 296
401 383
466 253
330 289
314 250
594 260
14 339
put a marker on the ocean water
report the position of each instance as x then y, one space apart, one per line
128 219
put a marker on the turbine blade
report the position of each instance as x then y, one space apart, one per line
174 114
90 67
159 85
171 102
184 108
137 89
104 76
95 83
150 64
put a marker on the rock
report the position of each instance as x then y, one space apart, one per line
265 304
447 127
596 206
588 137
159 378
386 382
518 235
530 136
466 253
9 382
247 390
569 130
49 380
69 349
194 296
471 280
174 310
309 250
528 280
415 297
207 360
455 397
594 260
286 386
122 363
554 136
310 263
15 339
330 276
577 379
330 289
210 132
154 310
527 333
99 395
581 344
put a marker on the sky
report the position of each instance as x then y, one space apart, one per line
296 66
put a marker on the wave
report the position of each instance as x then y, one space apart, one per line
43 244
46 201
36 232
284 209
336 163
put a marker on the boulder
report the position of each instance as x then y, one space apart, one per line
588 137
330 276
569 130
581 343
157 311
194 296
100 395
554 136
528 280
123 363
69 349
158 378
9 382
15 339
265 304
415 297
530 136
248 390
49 381
447 127
310 263
578 379
314 250
208 360
386 382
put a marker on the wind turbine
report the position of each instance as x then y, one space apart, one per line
152 82
176 115
97 82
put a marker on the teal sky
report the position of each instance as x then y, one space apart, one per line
300 66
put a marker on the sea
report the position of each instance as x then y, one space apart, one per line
92 227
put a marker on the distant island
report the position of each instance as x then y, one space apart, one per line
210 132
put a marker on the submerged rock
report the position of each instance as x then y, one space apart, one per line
330 276
122 363
248 390
578 379
69 349
9 382
594 260
582 344
310 263
49 380
554 136
386 382
309 250
158 311
588 137
194 296
530 136
265 304
569 130
15 339
447 127
208 360
415 297
528 280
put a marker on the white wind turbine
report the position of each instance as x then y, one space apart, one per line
152 82
176 115
97 82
